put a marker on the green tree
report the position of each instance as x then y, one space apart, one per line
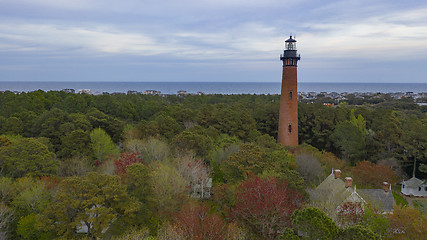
4 141
357 232
294 179
74 166
317 122
249 159
288 234
13 125
168 187
27 229
138 181
48 125
27 118
267 118
75 103
80 121
94 201
406 223
350 140
314 224
27 157
74 143
101 145
111 125
7 190
414 143
387 129
252 158
194 139
32 199
375 221
227 119
154 150
6 216
162 125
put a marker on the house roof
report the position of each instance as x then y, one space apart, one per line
413 182
333 191
378 198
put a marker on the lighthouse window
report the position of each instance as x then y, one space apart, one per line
290 95
419 188
290 128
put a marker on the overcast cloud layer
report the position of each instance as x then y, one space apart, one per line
206 40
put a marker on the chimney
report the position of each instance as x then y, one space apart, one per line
337 173
348 182
386 186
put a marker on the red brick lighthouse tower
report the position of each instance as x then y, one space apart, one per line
288 115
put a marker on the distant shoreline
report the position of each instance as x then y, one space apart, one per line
214 87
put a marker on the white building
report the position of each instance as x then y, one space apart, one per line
415 187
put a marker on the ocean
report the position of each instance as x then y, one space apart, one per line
213 87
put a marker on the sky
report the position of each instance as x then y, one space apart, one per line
212 40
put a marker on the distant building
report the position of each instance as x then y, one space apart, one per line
202 189
182 92
151 92
69 90
329 104
414 187
132 92
85 91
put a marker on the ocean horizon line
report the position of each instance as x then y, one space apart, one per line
205 82
212 87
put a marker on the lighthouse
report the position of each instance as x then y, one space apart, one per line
288 114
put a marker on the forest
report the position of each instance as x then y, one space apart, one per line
134 166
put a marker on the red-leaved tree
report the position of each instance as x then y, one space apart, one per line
350 214
368 173
265 205
195 222
124 160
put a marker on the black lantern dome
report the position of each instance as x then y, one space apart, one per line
290 56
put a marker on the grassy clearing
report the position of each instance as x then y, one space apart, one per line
420 204
399 199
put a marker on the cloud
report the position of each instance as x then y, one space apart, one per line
228 32
236 43
392 35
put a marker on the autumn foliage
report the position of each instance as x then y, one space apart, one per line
407 223
265 205
367 173
124 160
195 222
350 213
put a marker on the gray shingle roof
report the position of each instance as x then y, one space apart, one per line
378 198
333 191
413 182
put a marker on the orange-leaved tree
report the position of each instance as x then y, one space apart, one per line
368 173
195 222
265 205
